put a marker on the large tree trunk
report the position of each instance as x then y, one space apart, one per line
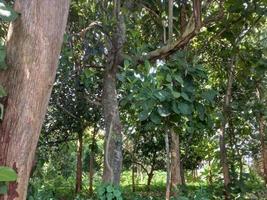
113 137
176 178
263 137
225 120
78 187
33 48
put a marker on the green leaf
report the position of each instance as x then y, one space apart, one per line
184 108
6 12
169 78
3 57
7 174
209 95
109 189
179 79
3 188
161 95
163 112
155 118
175 107
176 94
126 63
201 111
147 65
143 115
117 193
2 92
185 96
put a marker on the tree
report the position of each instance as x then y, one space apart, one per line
32 55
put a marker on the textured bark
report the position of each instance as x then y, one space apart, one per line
176 178
113 137
168 178
263 137
226 111
33 48
78 187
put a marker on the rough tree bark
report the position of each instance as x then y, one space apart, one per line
176 178
113 137
262 132
78 187
168 177
33 48
226 110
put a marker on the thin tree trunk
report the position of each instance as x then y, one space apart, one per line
133 168
133 178
170 20
79 163
91 163
176 178
91 172
33 48
149 179
168 170
263 137
223 150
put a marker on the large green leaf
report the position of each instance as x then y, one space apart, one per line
185 108
7 174
6 12
155 118
161 95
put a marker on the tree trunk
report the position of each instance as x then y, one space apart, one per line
91 163
33 48
78 188
149 179
168 181
133 178
91 172
263 137
113 137
176 178
223 150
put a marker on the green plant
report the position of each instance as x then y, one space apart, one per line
6 175
109 192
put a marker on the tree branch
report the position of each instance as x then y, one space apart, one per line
193 27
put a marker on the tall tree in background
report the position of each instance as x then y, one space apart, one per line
113 141
33 47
